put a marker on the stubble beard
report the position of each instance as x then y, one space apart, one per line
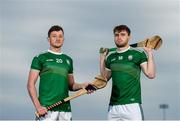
57 47
121 45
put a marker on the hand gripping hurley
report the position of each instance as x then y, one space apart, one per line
98 83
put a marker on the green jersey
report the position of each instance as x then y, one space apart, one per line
125 69
53 87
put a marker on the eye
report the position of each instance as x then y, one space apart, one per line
123 34
60 36
54 36
116 35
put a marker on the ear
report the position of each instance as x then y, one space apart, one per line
48 38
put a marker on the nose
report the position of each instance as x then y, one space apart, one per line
57 39
119 37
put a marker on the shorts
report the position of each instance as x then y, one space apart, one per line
125 112
56 116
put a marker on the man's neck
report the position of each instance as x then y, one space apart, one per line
56 50
120 49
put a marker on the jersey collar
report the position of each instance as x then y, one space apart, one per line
56 53
123 50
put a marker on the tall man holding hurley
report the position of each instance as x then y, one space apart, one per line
56 79
124 66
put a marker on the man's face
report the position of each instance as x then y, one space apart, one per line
121 38
56 39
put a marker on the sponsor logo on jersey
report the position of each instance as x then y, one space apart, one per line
130 57
59 60
49 60
113 59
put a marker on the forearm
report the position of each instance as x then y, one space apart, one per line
33 94
151 66
77 86
102 66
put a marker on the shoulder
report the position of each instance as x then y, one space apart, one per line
67 56
41 54
136 50
111 54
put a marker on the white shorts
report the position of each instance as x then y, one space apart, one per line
56 116
125 112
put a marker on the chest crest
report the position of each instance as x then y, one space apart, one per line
130 57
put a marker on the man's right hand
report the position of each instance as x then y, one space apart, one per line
104 54
41 111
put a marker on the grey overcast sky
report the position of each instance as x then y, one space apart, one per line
88 25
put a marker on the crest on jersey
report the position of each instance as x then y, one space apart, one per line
130 57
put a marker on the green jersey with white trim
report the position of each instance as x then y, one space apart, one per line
53 87
125 69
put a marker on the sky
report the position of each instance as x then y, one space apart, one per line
88 25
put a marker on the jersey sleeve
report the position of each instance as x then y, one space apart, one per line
107 63
36 63
143 58
71 66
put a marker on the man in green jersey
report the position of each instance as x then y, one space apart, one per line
55 70
124 66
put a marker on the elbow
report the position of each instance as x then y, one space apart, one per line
30 87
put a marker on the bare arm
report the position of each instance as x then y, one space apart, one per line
32 79
149 67
73 86
103 70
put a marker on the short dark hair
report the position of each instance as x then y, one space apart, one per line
120 28
55 28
